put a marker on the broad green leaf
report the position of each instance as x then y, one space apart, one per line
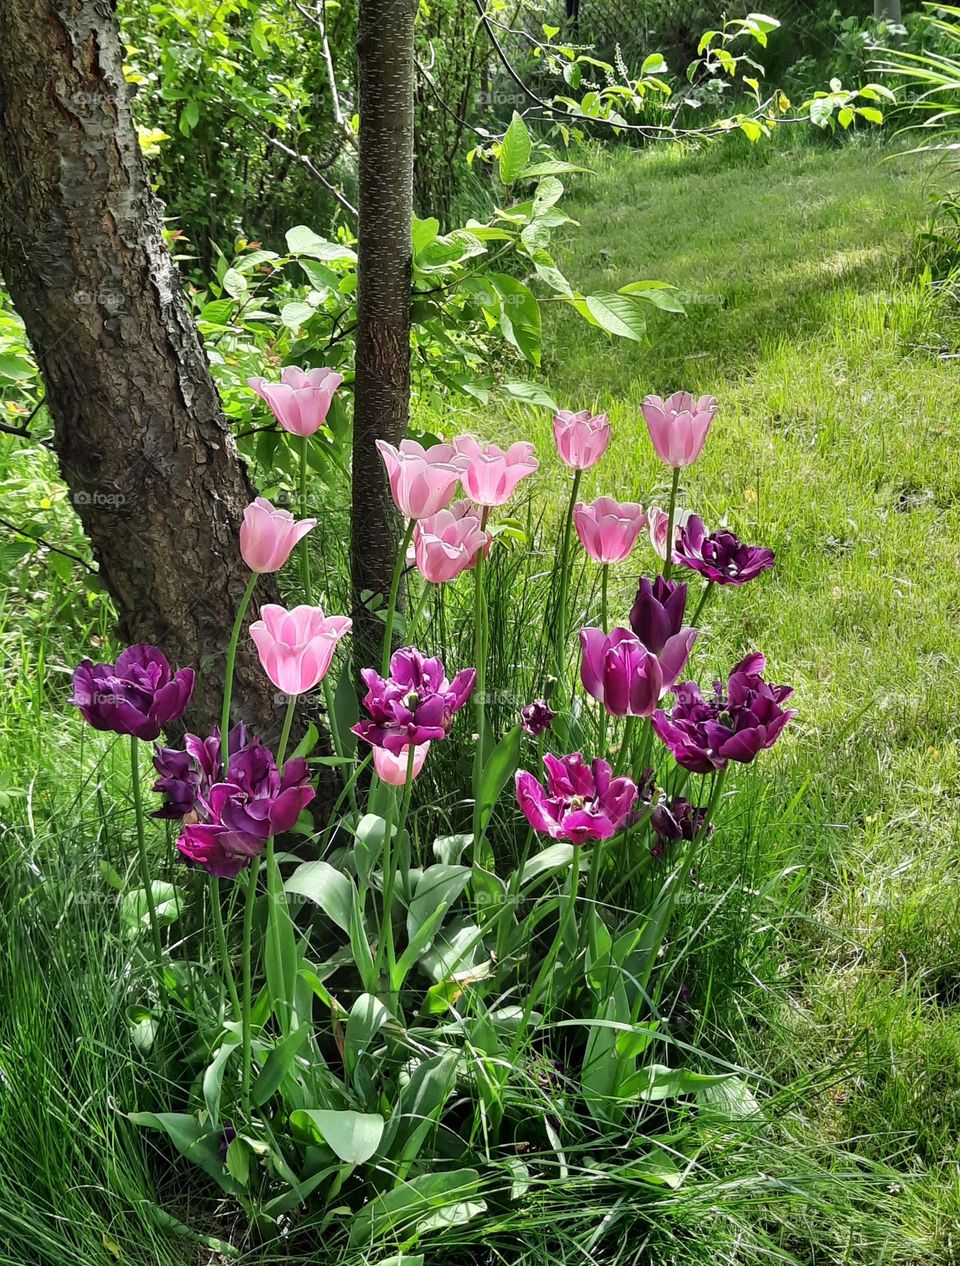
450 848
280 955
530 393
278 1063
353 1136
197 1143
501 765
400 1211
438 885
238 1160
346 712
303 241
307 743
327 887
424 234
548 191
369 832
519 315
617 314
659 293
367 1016
553 857
213 1078
515 150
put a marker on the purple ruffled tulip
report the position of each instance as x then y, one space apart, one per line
675 820
415 704
227 820
734 724
720 556
138 695
580 802
624 675
537 717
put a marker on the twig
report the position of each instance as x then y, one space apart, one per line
41 540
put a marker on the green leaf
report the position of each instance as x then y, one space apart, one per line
658 293
369 832
346 713
438 885
306 744
296 314
450 848
16 367
353 1136
280 955
501 765
278 1063
327 887
617 314
238 1160
303 241
234 283
367 1017
424 234
519 315
515 150
213 1078
530 393
197 1143
410 1205
870 113
553 857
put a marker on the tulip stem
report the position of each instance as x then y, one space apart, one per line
560 623
703 602
392 601
221 935
270 862
604 584
228 672
671 518
479 694
250 899
304 544
143 864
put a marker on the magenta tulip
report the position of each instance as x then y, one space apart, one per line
138 695
582 438
581 802
296 647
422 480
608 529
678 426
301 400
619 671
392 767
490 474
268 535
448 542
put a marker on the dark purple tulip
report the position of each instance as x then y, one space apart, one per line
415 704
720 556
231 820
676 820
537 717
138 695
735 724
188 775
657 612
580 802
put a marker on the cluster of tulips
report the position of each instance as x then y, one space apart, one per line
233 795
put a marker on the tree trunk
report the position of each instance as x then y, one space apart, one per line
139 431
382 392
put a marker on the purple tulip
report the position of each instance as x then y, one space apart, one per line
657 612
675 820
138 695
415 704
228 819
733 724
626 677
537 717
720 556
580 802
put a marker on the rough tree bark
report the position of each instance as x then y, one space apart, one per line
385 52
139 430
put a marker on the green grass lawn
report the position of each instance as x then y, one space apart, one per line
831 966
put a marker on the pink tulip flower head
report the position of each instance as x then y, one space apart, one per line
659 523
268 535
422 480
296 647
582 438
678 426
608 529
301 399
490 474
392 768
448 542
627 677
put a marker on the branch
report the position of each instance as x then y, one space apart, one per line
54 549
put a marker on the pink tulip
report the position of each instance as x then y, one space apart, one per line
393 769
301 399
268 535
490 475
608 529
582 438
448 542
678 426
422 480
659 522
296 647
